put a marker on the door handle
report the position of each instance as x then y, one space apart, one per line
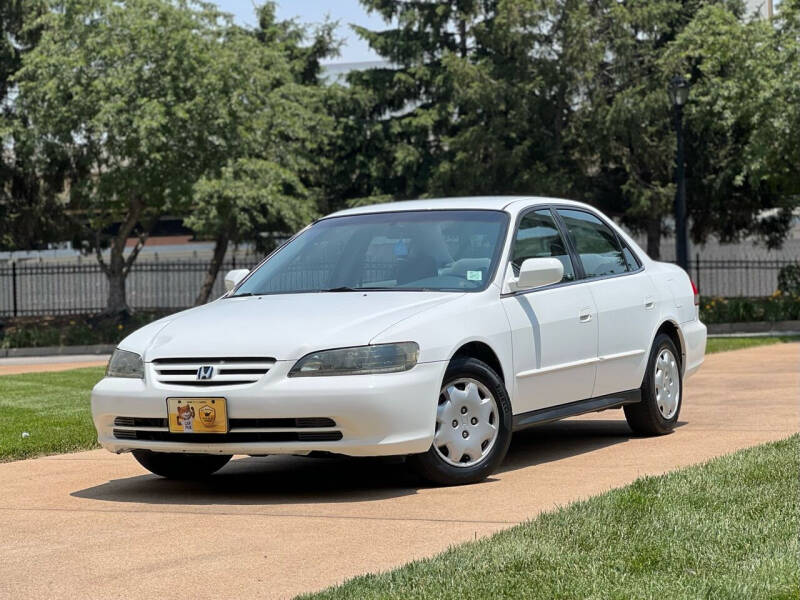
585 315
649 303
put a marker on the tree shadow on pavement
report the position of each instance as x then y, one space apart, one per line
287 480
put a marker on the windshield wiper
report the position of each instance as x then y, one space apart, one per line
243 295
345 288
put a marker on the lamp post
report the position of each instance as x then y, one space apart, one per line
679 94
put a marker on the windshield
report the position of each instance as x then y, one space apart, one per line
448 250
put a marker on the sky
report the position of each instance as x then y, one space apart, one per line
314 11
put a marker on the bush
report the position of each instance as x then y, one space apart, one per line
742 310
74 330
789 280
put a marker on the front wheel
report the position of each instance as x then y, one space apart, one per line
662 391
473 426
173 465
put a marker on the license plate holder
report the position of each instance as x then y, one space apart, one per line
197 415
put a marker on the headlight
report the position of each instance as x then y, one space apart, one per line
125 364
359 360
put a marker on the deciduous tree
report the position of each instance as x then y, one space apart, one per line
29 203
270 182
744 122
139 94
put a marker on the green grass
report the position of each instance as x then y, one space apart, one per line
737 343
724 529
52 407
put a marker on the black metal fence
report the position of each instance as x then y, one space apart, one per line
737 277
57 289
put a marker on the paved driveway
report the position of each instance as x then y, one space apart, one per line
40 364
92 525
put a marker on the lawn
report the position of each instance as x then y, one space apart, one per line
53 408
737 343
724 529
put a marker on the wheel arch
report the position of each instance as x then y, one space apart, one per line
673 330
485 353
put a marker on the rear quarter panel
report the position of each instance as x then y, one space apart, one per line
674 285
677 306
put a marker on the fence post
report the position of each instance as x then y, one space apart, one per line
14 286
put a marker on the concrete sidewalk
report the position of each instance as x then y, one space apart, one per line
40 364
94 525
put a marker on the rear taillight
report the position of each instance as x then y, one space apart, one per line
696 293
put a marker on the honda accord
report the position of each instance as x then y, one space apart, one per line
431 329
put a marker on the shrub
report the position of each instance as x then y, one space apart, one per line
741 310
789 280
73 330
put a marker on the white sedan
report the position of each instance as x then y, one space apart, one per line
432 329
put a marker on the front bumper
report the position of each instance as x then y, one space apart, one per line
377 415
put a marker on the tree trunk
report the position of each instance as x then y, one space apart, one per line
118 267
654 238
220 248
117 303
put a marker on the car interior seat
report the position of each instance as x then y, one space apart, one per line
415 268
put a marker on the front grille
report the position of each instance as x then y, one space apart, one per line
139 422
301 423
281 423
184 372
241 430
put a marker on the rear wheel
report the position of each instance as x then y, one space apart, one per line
174 465
662 391
473 426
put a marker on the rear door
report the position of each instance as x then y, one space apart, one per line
625 298
554 328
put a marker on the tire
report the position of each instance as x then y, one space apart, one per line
660 407
173 465
461 414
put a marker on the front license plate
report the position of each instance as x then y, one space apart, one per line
197 415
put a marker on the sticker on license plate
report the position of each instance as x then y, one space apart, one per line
197 415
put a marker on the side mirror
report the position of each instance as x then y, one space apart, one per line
234 277
537 272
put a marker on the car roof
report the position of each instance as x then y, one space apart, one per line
510 204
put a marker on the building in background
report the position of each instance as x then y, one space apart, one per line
764 8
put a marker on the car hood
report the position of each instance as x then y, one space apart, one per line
284 327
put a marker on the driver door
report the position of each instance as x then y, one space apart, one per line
553 328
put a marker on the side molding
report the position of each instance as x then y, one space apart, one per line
556 413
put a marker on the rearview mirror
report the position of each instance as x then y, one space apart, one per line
537 272
234 277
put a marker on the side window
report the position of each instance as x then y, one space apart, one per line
538 237
630 258
595 243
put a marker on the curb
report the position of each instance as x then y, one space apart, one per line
756 335
57 350
755 328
